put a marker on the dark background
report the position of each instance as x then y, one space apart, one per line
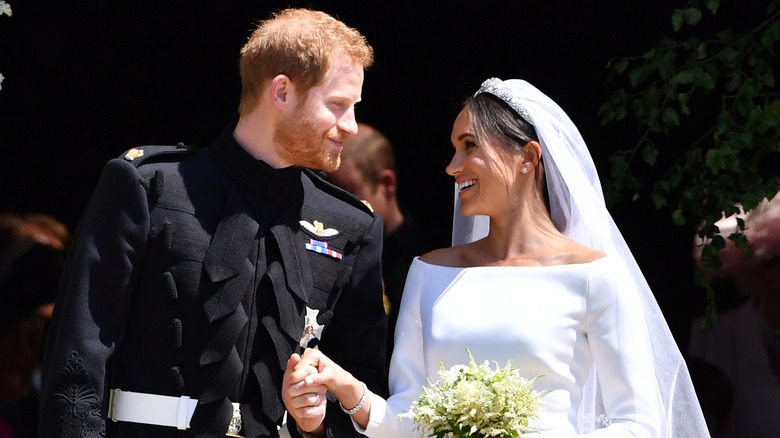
86 80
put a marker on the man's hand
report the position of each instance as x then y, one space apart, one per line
304 400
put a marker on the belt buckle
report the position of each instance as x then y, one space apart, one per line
111 405
235 422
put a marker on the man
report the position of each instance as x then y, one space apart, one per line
195 274
368 171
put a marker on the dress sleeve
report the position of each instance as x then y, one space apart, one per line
92 305
407 366
619 341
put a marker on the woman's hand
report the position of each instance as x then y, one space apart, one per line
305 402
349 390
329 373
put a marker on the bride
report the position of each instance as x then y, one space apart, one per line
539 274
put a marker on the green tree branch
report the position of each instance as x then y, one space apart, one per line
721 86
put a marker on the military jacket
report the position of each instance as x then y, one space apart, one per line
192 272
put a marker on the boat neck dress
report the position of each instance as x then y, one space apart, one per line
564 323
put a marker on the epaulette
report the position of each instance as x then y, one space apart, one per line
319 180
144 154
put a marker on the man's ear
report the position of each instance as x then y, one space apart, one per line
389 182
282 92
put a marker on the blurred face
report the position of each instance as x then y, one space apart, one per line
20 351
485 175
348 177
313 132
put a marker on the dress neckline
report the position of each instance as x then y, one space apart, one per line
463 268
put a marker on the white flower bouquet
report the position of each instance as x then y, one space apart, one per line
5 8
476 401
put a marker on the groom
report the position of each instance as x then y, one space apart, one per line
195 273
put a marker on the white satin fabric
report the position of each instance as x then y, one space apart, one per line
554 321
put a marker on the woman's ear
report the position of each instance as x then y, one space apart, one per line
532 154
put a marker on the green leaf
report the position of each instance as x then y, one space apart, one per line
714 160
770 36
650 153
659 200
741 242
675 175
621 112
701 51
633 183
683 99
754 118
618 165
718 242
725 35
635 76
614 108
685 77
770 118
678 217
746 138
713 6
734 82
740 223
768 78
677 19
707 81
671 117
692 16
621 65
730 57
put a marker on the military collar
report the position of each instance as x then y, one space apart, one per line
256 176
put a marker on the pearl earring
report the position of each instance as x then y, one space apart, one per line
524 169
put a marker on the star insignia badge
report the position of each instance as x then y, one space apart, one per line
311 328
134 153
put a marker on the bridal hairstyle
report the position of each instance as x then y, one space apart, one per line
495 122
578 210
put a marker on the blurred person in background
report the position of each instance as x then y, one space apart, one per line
745 343
32 251
368 171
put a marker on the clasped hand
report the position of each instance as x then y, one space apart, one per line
304 387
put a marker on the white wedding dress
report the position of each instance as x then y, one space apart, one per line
555 321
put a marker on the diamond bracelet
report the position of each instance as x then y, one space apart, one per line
359 404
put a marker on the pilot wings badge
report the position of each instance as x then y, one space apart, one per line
318 228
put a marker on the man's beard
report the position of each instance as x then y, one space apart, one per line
301 145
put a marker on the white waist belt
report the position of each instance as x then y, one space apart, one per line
161 410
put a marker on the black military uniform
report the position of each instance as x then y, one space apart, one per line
400 248
192 273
